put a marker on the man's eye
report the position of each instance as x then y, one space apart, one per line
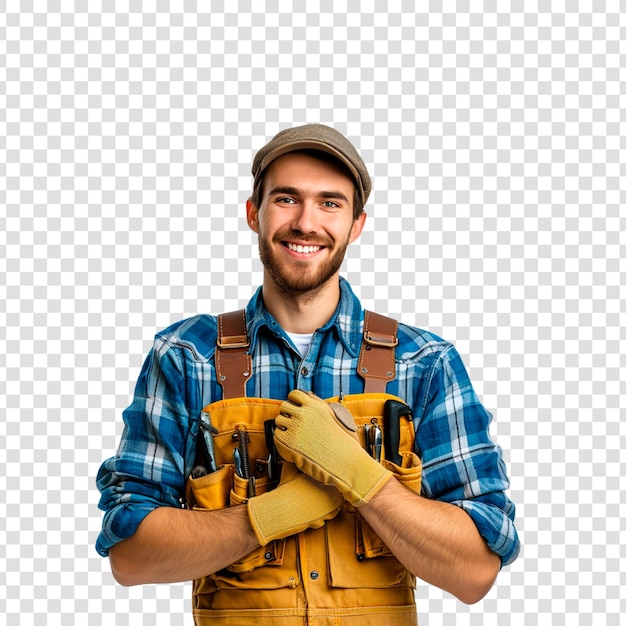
285 200
330 205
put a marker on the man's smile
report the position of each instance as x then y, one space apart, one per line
303 249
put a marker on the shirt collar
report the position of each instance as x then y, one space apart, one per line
347 319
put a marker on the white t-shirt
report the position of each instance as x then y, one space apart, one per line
302 342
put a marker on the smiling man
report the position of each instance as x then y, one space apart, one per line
304 460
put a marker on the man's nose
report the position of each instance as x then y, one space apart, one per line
305 218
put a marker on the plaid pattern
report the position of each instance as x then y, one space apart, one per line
461 464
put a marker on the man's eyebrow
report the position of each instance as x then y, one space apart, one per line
336 195
288 191
292 191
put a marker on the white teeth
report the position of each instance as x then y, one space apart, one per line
304 249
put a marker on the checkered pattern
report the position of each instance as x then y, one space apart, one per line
495 142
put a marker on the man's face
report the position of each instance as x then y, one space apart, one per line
304 222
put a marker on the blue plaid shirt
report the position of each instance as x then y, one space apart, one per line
461 464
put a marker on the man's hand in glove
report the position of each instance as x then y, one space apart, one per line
298 503
323 444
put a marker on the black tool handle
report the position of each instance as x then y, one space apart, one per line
393 412
274 458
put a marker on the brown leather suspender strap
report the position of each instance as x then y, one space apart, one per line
233 364
377 359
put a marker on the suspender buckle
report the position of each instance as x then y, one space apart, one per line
384 341
233 341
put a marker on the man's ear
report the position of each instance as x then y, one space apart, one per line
357 227
252 214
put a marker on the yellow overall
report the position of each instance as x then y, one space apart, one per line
339 575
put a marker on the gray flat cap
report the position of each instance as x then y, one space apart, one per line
314 137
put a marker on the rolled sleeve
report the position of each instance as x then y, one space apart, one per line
149 468
124 511
461 464
495 524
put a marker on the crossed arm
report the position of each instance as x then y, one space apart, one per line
437 542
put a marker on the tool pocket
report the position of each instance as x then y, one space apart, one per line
211 491
409 473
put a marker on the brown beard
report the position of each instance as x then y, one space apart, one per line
296 283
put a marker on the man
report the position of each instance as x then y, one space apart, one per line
284 550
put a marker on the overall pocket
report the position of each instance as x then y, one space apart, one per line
211 491
348 568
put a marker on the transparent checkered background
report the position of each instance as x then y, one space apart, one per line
495 139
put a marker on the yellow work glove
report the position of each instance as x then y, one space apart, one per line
297 503
323 444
